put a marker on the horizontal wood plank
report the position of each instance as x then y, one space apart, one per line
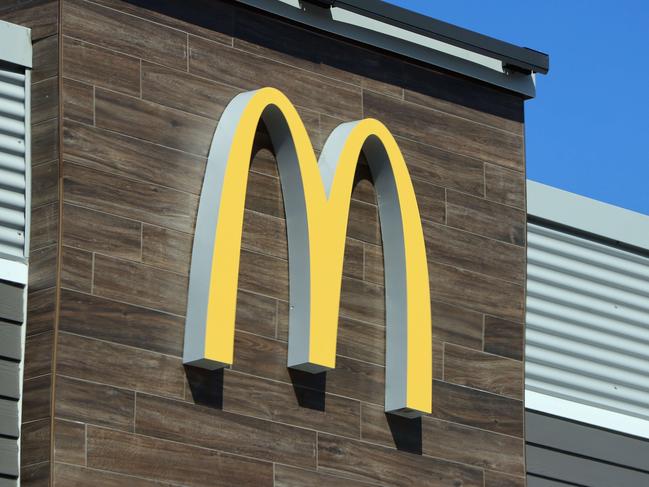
504 186
372 463
294 477
442 439
36 398
132 158
139 284
247 71
35 442
70 442
77 476
95 66
45 141
130 199
131 35
483 371
78 101
256 314
290 404
45 60
38 355
109 320
152 122
45 183
186 92
446 131
167 249
443 168
41 310
485 218
173 462
457 325
504 338
120 366
478 409
495 479
76 269
97 404
450 246
44 226
45 100
101 232
42 268
224 431
477 292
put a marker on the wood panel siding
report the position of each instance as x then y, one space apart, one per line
143 86
144 456
224 431
70 445
126 34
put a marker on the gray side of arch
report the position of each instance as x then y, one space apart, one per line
206 224
298 241
396 293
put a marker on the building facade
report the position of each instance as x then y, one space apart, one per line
587 330
125 100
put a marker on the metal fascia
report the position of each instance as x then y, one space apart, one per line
337 21
587 215
16 42
585 413
521 57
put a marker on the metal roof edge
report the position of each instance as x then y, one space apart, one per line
587 215
367 22
521 57
16 42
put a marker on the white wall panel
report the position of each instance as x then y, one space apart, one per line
15 203
587 332
13 176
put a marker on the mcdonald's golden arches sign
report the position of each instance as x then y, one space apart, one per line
316 198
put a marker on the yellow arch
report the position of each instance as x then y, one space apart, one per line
317 199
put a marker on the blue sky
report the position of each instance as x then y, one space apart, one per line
588 128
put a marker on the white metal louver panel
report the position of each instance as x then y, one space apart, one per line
12 163
15 202
587 332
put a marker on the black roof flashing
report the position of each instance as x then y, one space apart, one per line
513 57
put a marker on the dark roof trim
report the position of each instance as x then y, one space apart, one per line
515 57
353 20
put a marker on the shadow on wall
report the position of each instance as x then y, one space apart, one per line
207 390
245 25
206 386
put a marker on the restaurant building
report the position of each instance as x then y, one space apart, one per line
587 342
114 232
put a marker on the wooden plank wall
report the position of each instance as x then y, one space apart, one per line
143 86
41 16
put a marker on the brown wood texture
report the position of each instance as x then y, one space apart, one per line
143 89
443 439
70 442
495 479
